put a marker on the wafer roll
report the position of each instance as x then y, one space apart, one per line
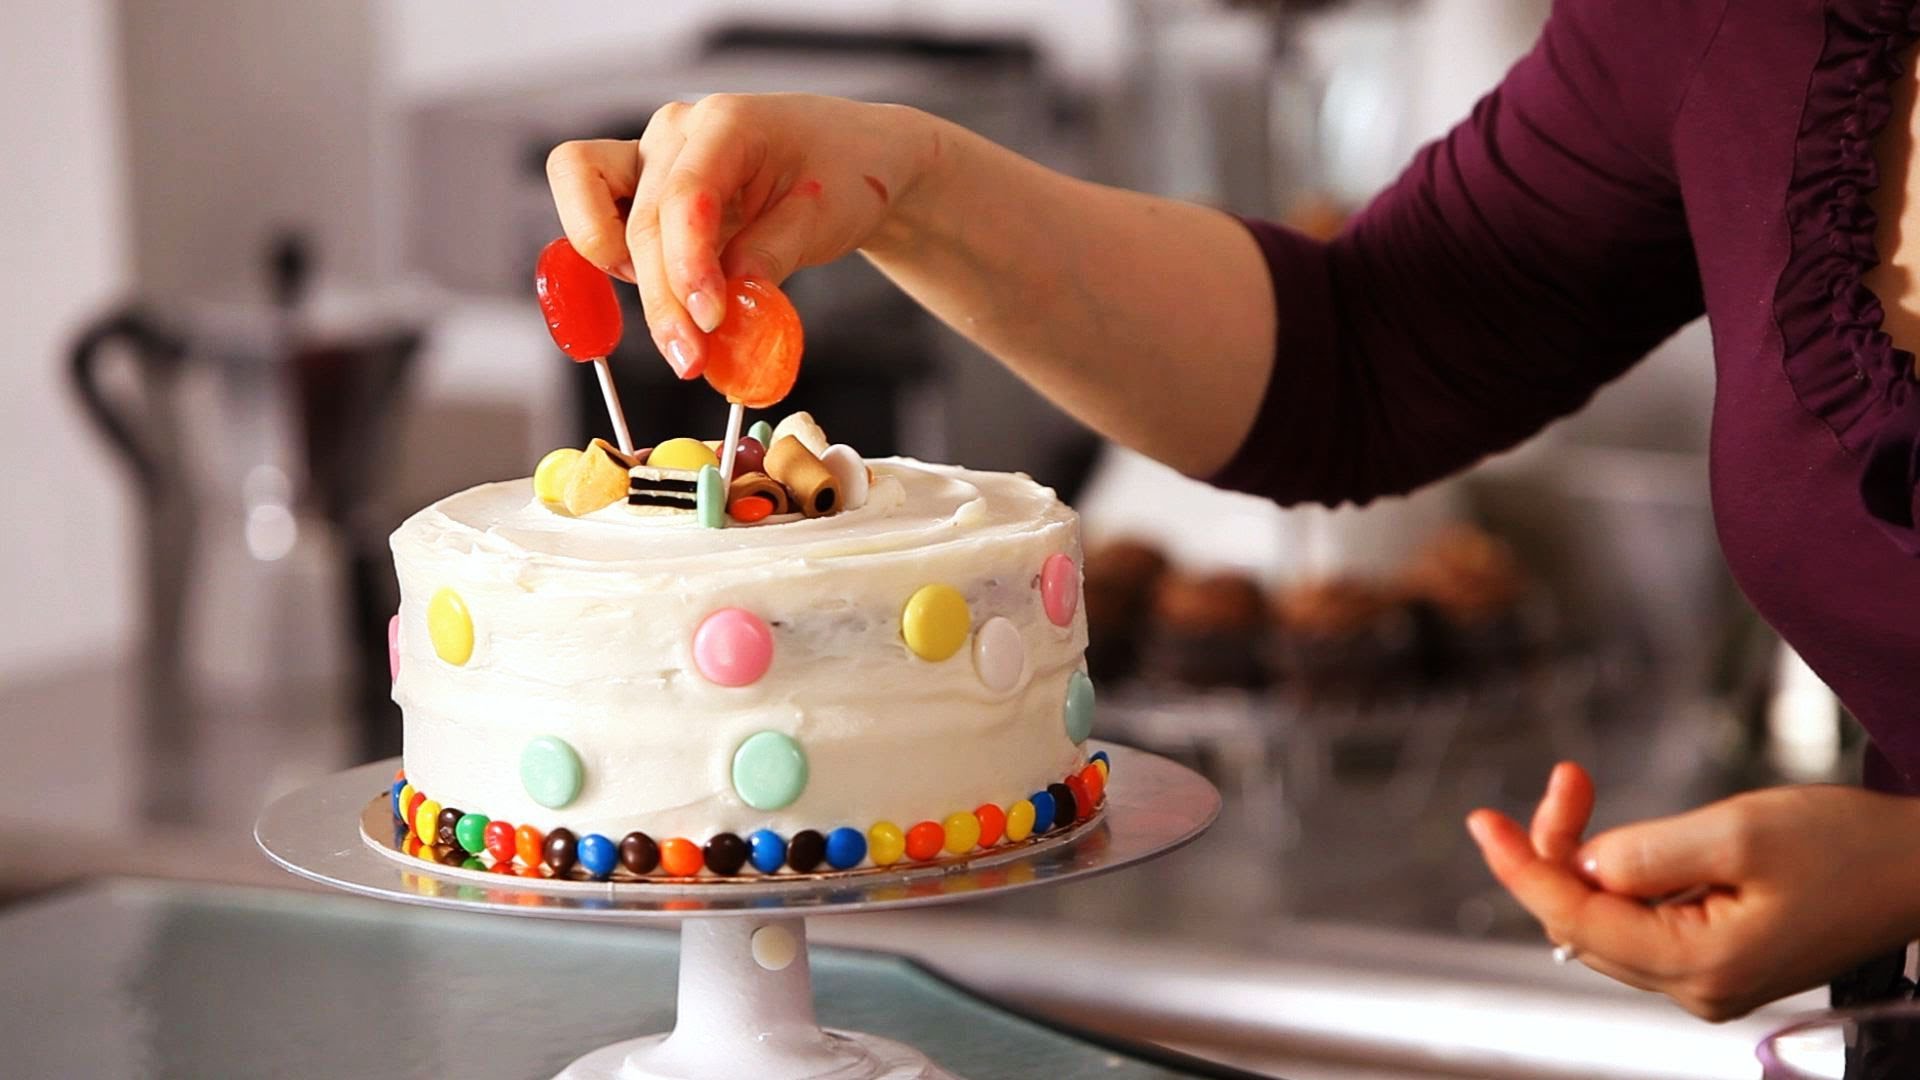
759 483
814 490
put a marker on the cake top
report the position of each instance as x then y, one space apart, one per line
912 505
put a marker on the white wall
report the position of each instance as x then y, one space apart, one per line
66 588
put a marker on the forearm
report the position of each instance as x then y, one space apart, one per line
1150 320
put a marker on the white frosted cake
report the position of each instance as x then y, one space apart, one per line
628 692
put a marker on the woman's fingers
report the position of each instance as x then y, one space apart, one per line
1561 819
1653 859
1619 930
673 331
775 244
589 177
723 153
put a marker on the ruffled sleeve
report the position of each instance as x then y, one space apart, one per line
1864 390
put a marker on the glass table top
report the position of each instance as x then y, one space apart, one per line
135 978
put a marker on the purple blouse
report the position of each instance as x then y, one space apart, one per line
1649 160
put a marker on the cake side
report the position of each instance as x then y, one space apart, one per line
606 674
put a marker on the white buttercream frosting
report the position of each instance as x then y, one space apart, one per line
583 631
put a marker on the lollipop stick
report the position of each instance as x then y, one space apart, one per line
736 414
620 432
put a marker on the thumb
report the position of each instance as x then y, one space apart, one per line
1653 859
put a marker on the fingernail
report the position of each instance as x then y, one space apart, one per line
1590 866
624 271
1477 829
705 311
680 359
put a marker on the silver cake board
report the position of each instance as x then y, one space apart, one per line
745 990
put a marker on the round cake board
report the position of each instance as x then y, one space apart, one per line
745 989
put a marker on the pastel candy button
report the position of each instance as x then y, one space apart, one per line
1059 589
999 655
732 647
393 647
775 948
850 472
935 622
1079 707
769 770
551 476
551 772
761 432
688 454
710 497
450 627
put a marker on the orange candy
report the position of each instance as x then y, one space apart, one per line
681 857
1096 783
529 843
753 357
925 840
750 508
993 823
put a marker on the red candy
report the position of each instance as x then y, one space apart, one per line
1096 783
530 844
925 840
499 838
993 822
749 456
750 508
413 806
753 357
1082 799
582 312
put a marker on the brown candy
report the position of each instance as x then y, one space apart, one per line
815 492
758 483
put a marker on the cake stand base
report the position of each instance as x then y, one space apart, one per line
746 1009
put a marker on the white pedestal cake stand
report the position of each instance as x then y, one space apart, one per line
745 994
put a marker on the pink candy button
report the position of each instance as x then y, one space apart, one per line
1060 589
732 647
393 647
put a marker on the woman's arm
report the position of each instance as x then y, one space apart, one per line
1151 320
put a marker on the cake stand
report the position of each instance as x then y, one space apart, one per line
745 994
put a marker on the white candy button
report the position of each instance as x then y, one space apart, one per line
774 948
999 654
850 472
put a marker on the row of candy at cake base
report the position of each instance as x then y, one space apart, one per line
561 852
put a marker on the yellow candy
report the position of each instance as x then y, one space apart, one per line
963 832
935 622
1101 764
688 454
551 475
886 843
450 627
1019 821
406 796
599 479
426 820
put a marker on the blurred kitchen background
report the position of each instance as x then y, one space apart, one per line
266 290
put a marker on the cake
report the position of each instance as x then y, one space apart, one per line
632 691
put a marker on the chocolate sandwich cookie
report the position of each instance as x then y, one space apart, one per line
653 490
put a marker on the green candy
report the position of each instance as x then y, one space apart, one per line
761 432
1079 709
471 831
551 772
711 498
769 770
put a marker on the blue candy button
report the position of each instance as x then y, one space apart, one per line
597 855
768 853
1043 811
845 848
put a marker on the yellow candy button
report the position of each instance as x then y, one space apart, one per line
935 622
426 820
551 475
886 843
687 454
1019 821
450 627
963 832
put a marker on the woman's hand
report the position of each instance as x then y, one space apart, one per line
1801 883
734 185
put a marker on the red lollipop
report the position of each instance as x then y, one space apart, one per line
583 315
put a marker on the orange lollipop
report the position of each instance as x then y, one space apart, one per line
753 357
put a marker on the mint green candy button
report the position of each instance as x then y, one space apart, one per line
762 433
710 498
769 770
551 772
1079 707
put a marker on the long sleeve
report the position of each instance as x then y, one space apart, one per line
1533 254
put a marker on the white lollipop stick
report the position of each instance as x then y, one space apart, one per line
619 415
736 414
